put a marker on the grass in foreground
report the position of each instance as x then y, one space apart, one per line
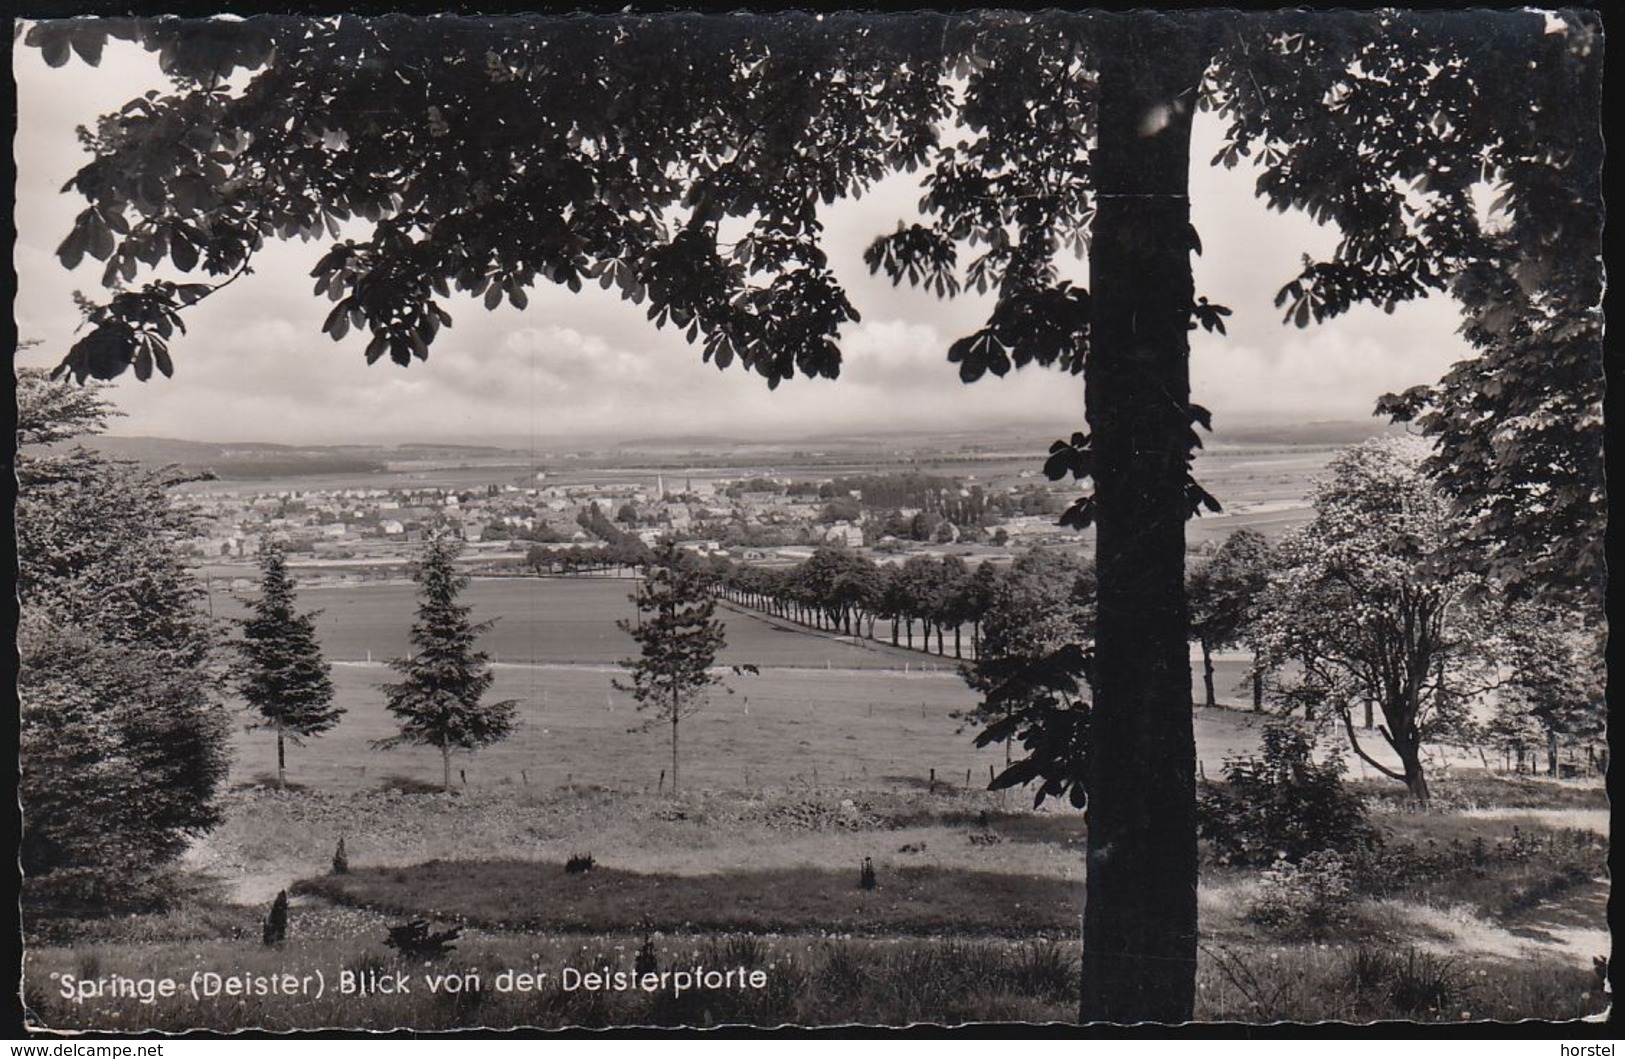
805 982
1382 983
541 896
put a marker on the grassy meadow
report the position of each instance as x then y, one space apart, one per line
1488 906
972 916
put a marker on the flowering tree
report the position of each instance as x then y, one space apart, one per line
1365 608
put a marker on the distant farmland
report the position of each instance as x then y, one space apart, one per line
569 620
572 621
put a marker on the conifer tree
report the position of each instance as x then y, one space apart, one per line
680 638
438 701
124 743
284 678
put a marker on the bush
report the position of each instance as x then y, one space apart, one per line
1306 899
578 863
1424 984
647 960
415 940
1282 805
276 921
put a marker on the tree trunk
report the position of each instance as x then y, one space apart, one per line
956 643
1551 752
1416 780
1140 919
445 768
894 632
281 762
1207 673
1258 687
674 720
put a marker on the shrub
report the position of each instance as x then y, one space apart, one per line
866 874
276 921
1307 898
1423 983
578 863
1413 983
1282 805
341 859
646 961
416 940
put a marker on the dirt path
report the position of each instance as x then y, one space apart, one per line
1568 928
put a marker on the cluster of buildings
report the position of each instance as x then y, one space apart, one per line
389 523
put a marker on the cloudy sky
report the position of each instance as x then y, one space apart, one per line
255 365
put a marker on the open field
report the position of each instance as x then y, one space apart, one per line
565 620
879 728
571 620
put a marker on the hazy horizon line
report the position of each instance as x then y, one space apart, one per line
624 439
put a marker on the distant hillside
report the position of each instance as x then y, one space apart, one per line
259 460
704 442
245 460
433 449
1324 432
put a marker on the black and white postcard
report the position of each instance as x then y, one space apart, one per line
700 520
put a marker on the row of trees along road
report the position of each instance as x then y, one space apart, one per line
843 591
488 154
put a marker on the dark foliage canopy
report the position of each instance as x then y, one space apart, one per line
486 155
124 741
1224 588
